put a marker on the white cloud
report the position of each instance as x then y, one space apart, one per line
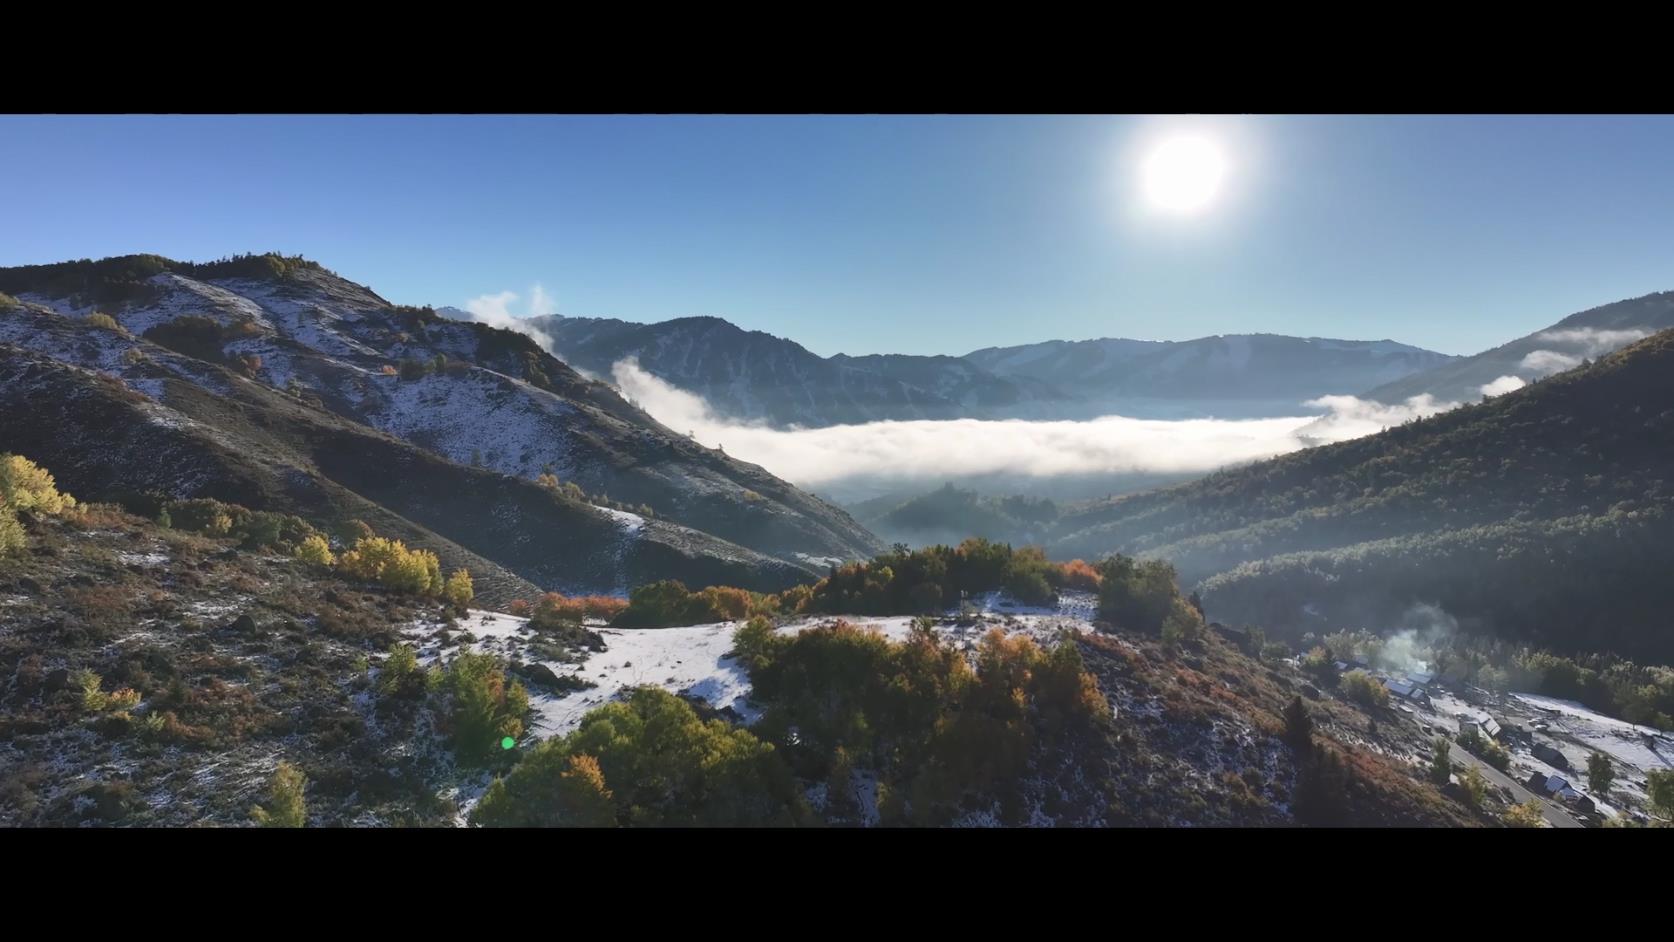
1352 417
1596 342
929 451
495 310
1547 362
1501 386
1583 343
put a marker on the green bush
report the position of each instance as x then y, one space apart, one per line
12 537
1144 596
285 806
1364 689
482 707
648 761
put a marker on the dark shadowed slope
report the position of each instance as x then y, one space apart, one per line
1544 514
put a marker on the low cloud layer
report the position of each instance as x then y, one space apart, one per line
931 451
495 310
1582 342
1501 386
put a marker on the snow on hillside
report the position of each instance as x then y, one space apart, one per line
693 661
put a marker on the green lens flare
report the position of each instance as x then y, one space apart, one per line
507 743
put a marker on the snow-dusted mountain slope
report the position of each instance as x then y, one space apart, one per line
1589 334
1265 371
751 375
467 392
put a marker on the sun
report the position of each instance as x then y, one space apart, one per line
1183 174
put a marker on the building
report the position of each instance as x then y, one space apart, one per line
1406 690
1552 757
1421 678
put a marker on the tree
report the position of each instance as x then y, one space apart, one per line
1321 785
1525 815
285 807
459 590
1441 768
315 551
1659 788
1600 774
1365 689
1475 787
1299 726
11 532
24 485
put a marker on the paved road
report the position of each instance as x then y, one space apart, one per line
1554 815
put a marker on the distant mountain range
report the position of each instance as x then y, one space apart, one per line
274 383
750 375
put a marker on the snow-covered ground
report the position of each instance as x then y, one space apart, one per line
693 660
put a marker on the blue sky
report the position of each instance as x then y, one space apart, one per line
890 233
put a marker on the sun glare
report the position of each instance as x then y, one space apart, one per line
1183 174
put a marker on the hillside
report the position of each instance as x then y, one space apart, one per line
1564 345
468 393
159 677
1543 514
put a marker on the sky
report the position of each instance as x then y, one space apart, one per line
901 234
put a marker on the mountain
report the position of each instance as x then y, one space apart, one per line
1239 375
750 375
253 345
1563 345
1546 514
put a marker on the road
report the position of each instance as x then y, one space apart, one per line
1554 815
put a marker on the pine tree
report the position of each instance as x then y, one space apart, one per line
1299 726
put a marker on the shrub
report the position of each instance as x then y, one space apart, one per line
1143 596
387 370
12 537
105 322
458 589
285 806
669 603
1525 815
414 369
519 607
26 486
1601 775
1659 790
1079 574
391 564
482 707
399 671
1441 767
1486 749
1299 726
1364 689
316 551
1473 787
7 302
205 515
654 764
